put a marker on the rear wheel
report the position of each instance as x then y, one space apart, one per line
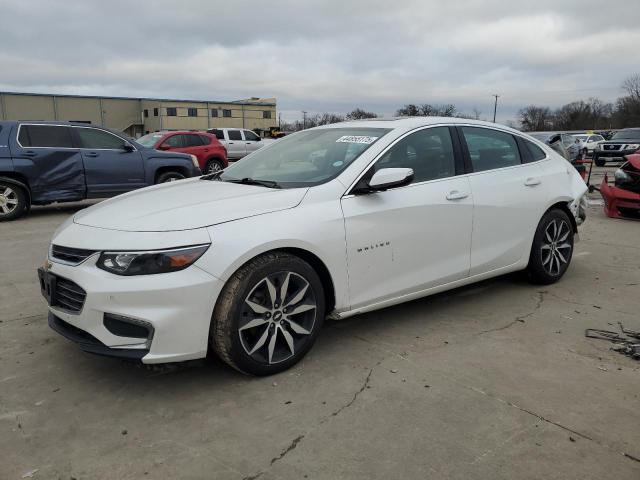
599 162
213 166
13 201
552 248
268 315
169 177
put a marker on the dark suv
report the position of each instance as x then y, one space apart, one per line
623 142
44 162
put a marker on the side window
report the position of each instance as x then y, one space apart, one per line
535 151
51 136
490 149
98 139
428 152
250 136
234 134
205 140
192 141
175 141
218 133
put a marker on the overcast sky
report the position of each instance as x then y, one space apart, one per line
324 55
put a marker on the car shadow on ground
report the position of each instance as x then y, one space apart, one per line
212 372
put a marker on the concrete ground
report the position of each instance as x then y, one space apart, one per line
493 381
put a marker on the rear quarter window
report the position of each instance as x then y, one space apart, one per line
535 151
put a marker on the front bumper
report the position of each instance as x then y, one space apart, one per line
612 155
175 307
619 202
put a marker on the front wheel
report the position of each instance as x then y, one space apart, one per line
552 248
169 177
213 166
268 315
599 162
14 202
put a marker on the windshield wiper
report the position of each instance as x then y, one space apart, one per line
253 181
211 176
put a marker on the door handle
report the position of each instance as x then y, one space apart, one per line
532 182
230 143
91 154
30 153
456 195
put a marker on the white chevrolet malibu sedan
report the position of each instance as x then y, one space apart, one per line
332 221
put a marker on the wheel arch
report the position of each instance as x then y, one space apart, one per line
18 180
170 168
318 265
564 206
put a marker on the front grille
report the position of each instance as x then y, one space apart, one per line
68 295
611 147
69 255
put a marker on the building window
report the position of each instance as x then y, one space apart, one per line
155 112
146 113
192 112
214 112
172 112
266 114
226 113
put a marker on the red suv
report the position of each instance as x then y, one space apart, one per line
211 154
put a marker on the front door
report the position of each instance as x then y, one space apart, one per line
236 147
509 198
415 237
251 141
53 165
110 167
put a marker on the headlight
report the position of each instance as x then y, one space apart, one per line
598 147
632 146
194 159
149 263
621 176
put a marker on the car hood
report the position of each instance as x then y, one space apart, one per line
185 205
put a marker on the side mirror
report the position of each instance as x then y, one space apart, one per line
390 178
259 139
164 147
127 147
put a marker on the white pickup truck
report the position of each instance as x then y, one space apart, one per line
238 141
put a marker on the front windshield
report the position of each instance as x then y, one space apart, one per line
582 138
627 135
307 158
149 140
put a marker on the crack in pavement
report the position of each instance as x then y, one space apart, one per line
519 318
294 443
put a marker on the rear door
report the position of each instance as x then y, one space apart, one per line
109 167
236 147
509 198
47 156
252 141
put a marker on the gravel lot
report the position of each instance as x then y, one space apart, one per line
490 381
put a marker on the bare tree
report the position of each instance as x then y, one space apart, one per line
409 110
535 118
631 85
359 114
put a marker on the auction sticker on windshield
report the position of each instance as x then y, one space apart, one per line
357 139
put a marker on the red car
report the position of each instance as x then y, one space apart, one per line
211 154
623 198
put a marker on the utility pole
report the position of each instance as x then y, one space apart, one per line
495 107
304 120
279 121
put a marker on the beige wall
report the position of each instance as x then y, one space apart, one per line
128 114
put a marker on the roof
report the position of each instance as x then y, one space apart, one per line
409 123
238 102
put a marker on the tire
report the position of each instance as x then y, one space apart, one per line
249 314
585 152
14 202
169 177
213 166
599 162
552 248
